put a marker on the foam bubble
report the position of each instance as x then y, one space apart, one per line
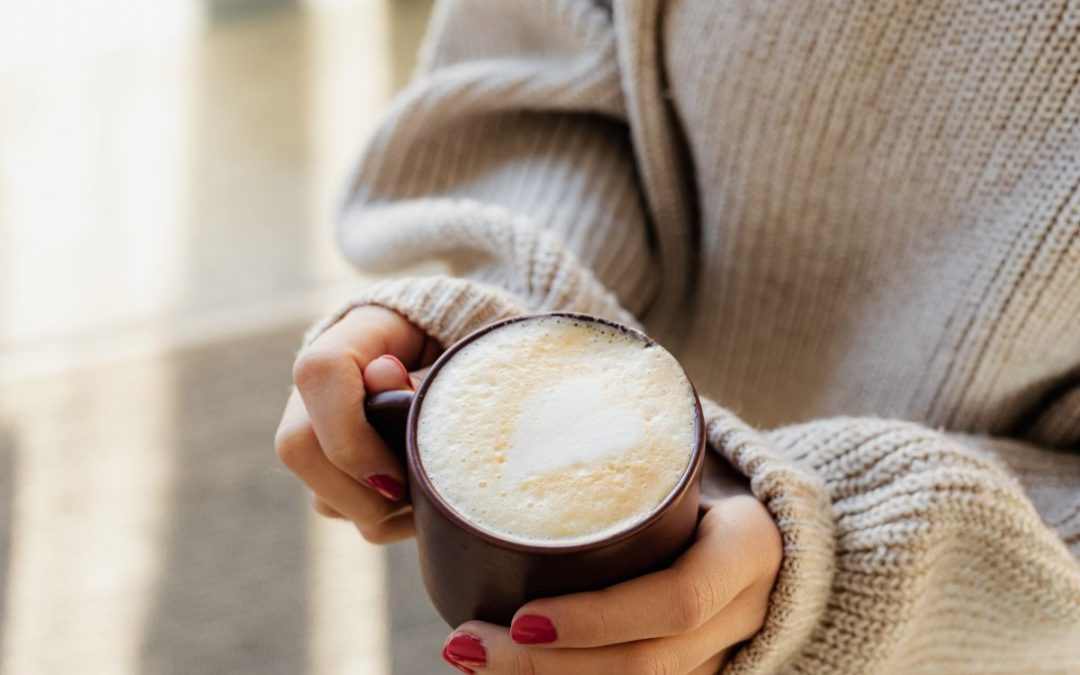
575 430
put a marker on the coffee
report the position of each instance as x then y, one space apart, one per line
557 431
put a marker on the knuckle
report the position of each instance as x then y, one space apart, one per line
750 618
375 534
524 662
695 599
686 612
601 621
756 617
342 457
774 549
645 659
375 523
768 546
324 509
296 446
312 368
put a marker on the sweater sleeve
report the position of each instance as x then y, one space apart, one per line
910 550
507 166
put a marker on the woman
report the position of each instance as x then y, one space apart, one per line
858 226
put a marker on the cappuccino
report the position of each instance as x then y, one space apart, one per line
556 430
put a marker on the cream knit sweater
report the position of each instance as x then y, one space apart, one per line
856 223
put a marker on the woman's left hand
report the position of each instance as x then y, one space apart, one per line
683 619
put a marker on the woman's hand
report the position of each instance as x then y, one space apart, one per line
684 619
323 437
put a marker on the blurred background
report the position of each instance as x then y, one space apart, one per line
169 174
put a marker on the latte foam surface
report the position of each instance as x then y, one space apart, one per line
557 431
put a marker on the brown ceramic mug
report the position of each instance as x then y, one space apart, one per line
470 573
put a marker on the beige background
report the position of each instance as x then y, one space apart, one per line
169 172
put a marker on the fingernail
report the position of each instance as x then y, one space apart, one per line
401 366
388 487
465 651
531 629
458 666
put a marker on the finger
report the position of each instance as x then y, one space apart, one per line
381 532
299 450
324 509
387 532
713 665
725 559
397 528
330 381
487 648
708 648
387 373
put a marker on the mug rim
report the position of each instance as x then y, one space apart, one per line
416 465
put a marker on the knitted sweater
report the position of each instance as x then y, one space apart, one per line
856 223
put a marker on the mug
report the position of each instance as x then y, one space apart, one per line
472 574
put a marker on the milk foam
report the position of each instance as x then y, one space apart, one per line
557 431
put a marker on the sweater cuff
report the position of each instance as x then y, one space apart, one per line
801 508
445 308
449 308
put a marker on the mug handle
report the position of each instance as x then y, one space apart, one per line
388 413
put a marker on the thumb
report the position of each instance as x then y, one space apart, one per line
386 373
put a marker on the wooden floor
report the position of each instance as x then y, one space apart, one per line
165 236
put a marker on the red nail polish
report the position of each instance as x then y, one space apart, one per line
401 366
446 657
531 629
465 650
388 487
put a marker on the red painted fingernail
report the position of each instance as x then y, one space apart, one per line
446 657
401 366
531 629
464 650
388 487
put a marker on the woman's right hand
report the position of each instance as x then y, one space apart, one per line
323 437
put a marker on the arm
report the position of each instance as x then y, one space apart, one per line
906 549
509 162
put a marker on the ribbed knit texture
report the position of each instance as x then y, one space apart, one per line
858 226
